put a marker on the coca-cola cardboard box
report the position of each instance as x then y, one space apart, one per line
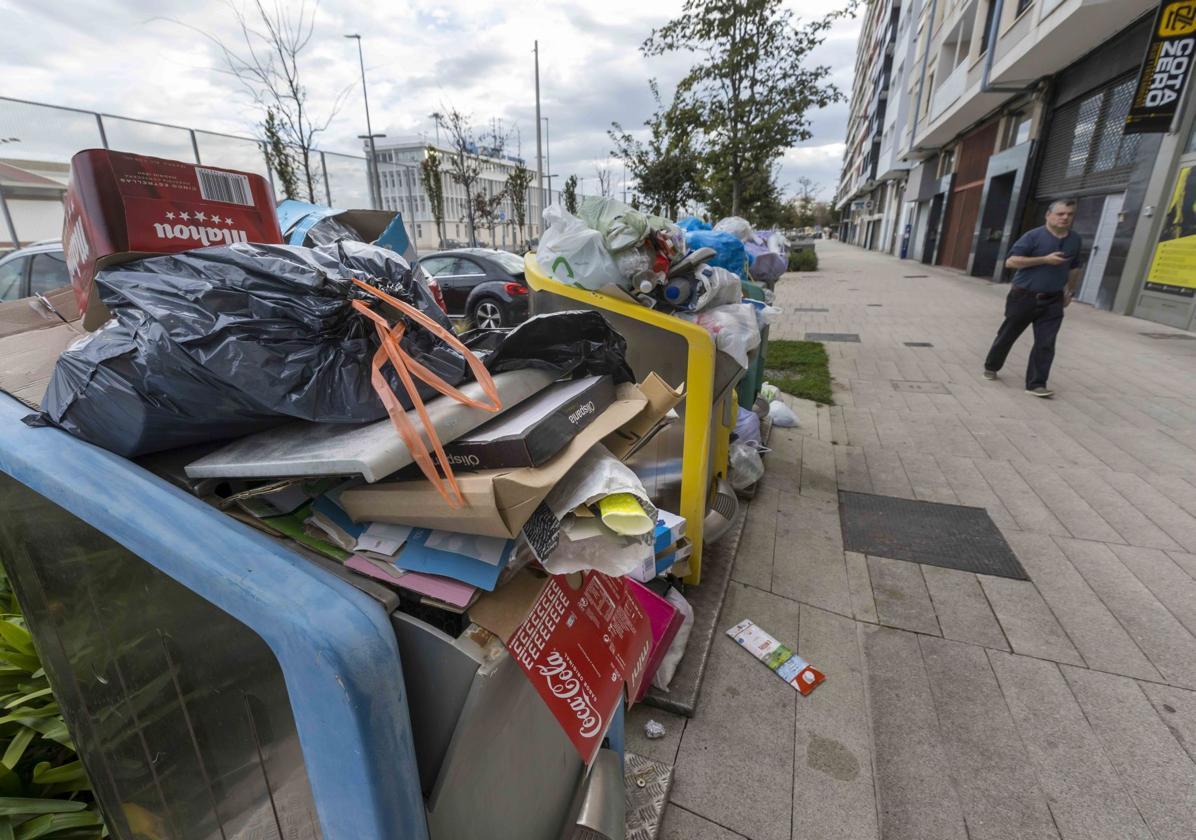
121 206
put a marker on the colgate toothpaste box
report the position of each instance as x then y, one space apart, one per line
121 206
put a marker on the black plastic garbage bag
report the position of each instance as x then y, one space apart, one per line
220 342
580 342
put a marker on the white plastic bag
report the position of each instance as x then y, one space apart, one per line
672 657
738 227
574 253
734 328
747 467
716 287
767 315
769 391
782 415
747 426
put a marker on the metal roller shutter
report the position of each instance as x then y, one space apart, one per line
1087 153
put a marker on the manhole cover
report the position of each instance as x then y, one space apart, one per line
920 387
951 536
918 344
833 337
1171 336
809 309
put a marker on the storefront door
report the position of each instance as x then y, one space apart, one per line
1098 255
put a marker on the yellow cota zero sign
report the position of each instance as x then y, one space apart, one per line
1178 19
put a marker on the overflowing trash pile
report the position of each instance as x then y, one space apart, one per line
313 389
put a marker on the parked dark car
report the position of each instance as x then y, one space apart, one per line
35 270
482 284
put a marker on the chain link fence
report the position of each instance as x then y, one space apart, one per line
37 142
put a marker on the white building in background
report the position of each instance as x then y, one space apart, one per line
402 190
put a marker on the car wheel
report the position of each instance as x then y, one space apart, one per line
488 315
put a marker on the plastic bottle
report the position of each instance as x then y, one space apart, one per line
678 291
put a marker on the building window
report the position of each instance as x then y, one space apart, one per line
1017 130
1022 5
988 25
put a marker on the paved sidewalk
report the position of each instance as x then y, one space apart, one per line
959 705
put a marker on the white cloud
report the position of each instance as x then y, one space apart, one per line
138 58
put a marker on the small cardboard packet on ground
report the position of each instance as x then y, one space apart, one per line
780 660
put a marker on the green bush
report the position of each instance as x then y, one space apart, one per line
803 260
44 791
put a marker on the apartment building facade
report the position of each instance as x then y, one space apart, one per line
1010 104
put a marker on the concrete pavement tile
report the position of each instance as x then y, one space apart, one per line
887 474
963 611
1106 450
833 759
1019 499
1025 439
851 469
1087 798
1077 516
754 558
1162 511
1027 621
1185 561
990 438
663 749
917 798
808 563
818 470
824 423
1177 709
1174 588
1177 489
1154 767
863 605
1170 647
901 597
926 478
1133 526
783 467
838 425
680 824
1095 631
736 755
861 430
972 490
986 757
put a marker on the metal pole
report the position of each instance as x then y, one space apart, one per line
375 181
12 229
624 180
548 157
539 154
194 145
269 169
327 189
103 134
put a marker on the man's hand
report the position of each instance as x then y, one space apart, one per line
1057 258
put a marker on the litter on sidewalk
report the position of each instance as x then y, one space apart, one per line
776 657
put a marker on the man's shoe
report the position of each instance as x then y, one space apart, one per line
1040 391
990 374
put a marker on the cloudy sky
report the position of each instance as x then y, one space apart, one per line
140 58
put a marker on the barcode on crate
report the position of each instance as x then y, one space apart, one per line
230 187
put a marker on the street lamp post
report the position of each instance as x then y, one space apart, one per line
375 181
548 159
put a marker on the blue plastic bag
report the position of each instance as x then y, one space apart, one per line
689 223
728 251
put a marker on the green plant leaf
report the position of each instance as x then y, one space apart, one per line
50 824
17 636
6 832
27 661
27 805
46 774
33 695
17 746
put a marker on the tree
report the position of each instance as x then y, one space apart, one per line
804 201
569 194
266 64
667 168
517 185
431 177
486 209
464 166
603 173
279 156
750 93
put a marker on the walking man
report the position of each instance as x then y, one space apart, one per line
1047 262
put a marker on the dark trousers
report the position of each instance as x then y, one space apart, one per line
1022 309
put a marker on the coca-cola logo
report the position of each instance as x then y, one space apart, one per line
564 685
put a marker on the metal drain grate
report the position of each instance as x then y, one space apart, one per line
918 344
646 786
915 276
920 387
854 337
810 309
1171 336
951 536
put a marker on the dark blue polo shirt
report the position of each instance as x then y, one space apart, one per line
1040 242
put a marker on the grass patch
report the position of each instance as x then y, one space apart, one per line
800 368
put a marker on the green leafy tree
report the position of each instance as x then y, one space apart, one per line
518 183
667 168
569 194
430 176
279 156
752 90
485 208
464 165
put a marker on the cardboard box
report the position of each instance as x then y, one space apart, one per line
497 502
33 337
664 619
535 430
631 437
581 639
27 314
120 207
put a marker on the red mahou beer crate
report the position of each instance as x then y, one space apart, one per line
121 206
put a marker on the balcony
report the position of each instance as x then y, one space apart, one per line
949 91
